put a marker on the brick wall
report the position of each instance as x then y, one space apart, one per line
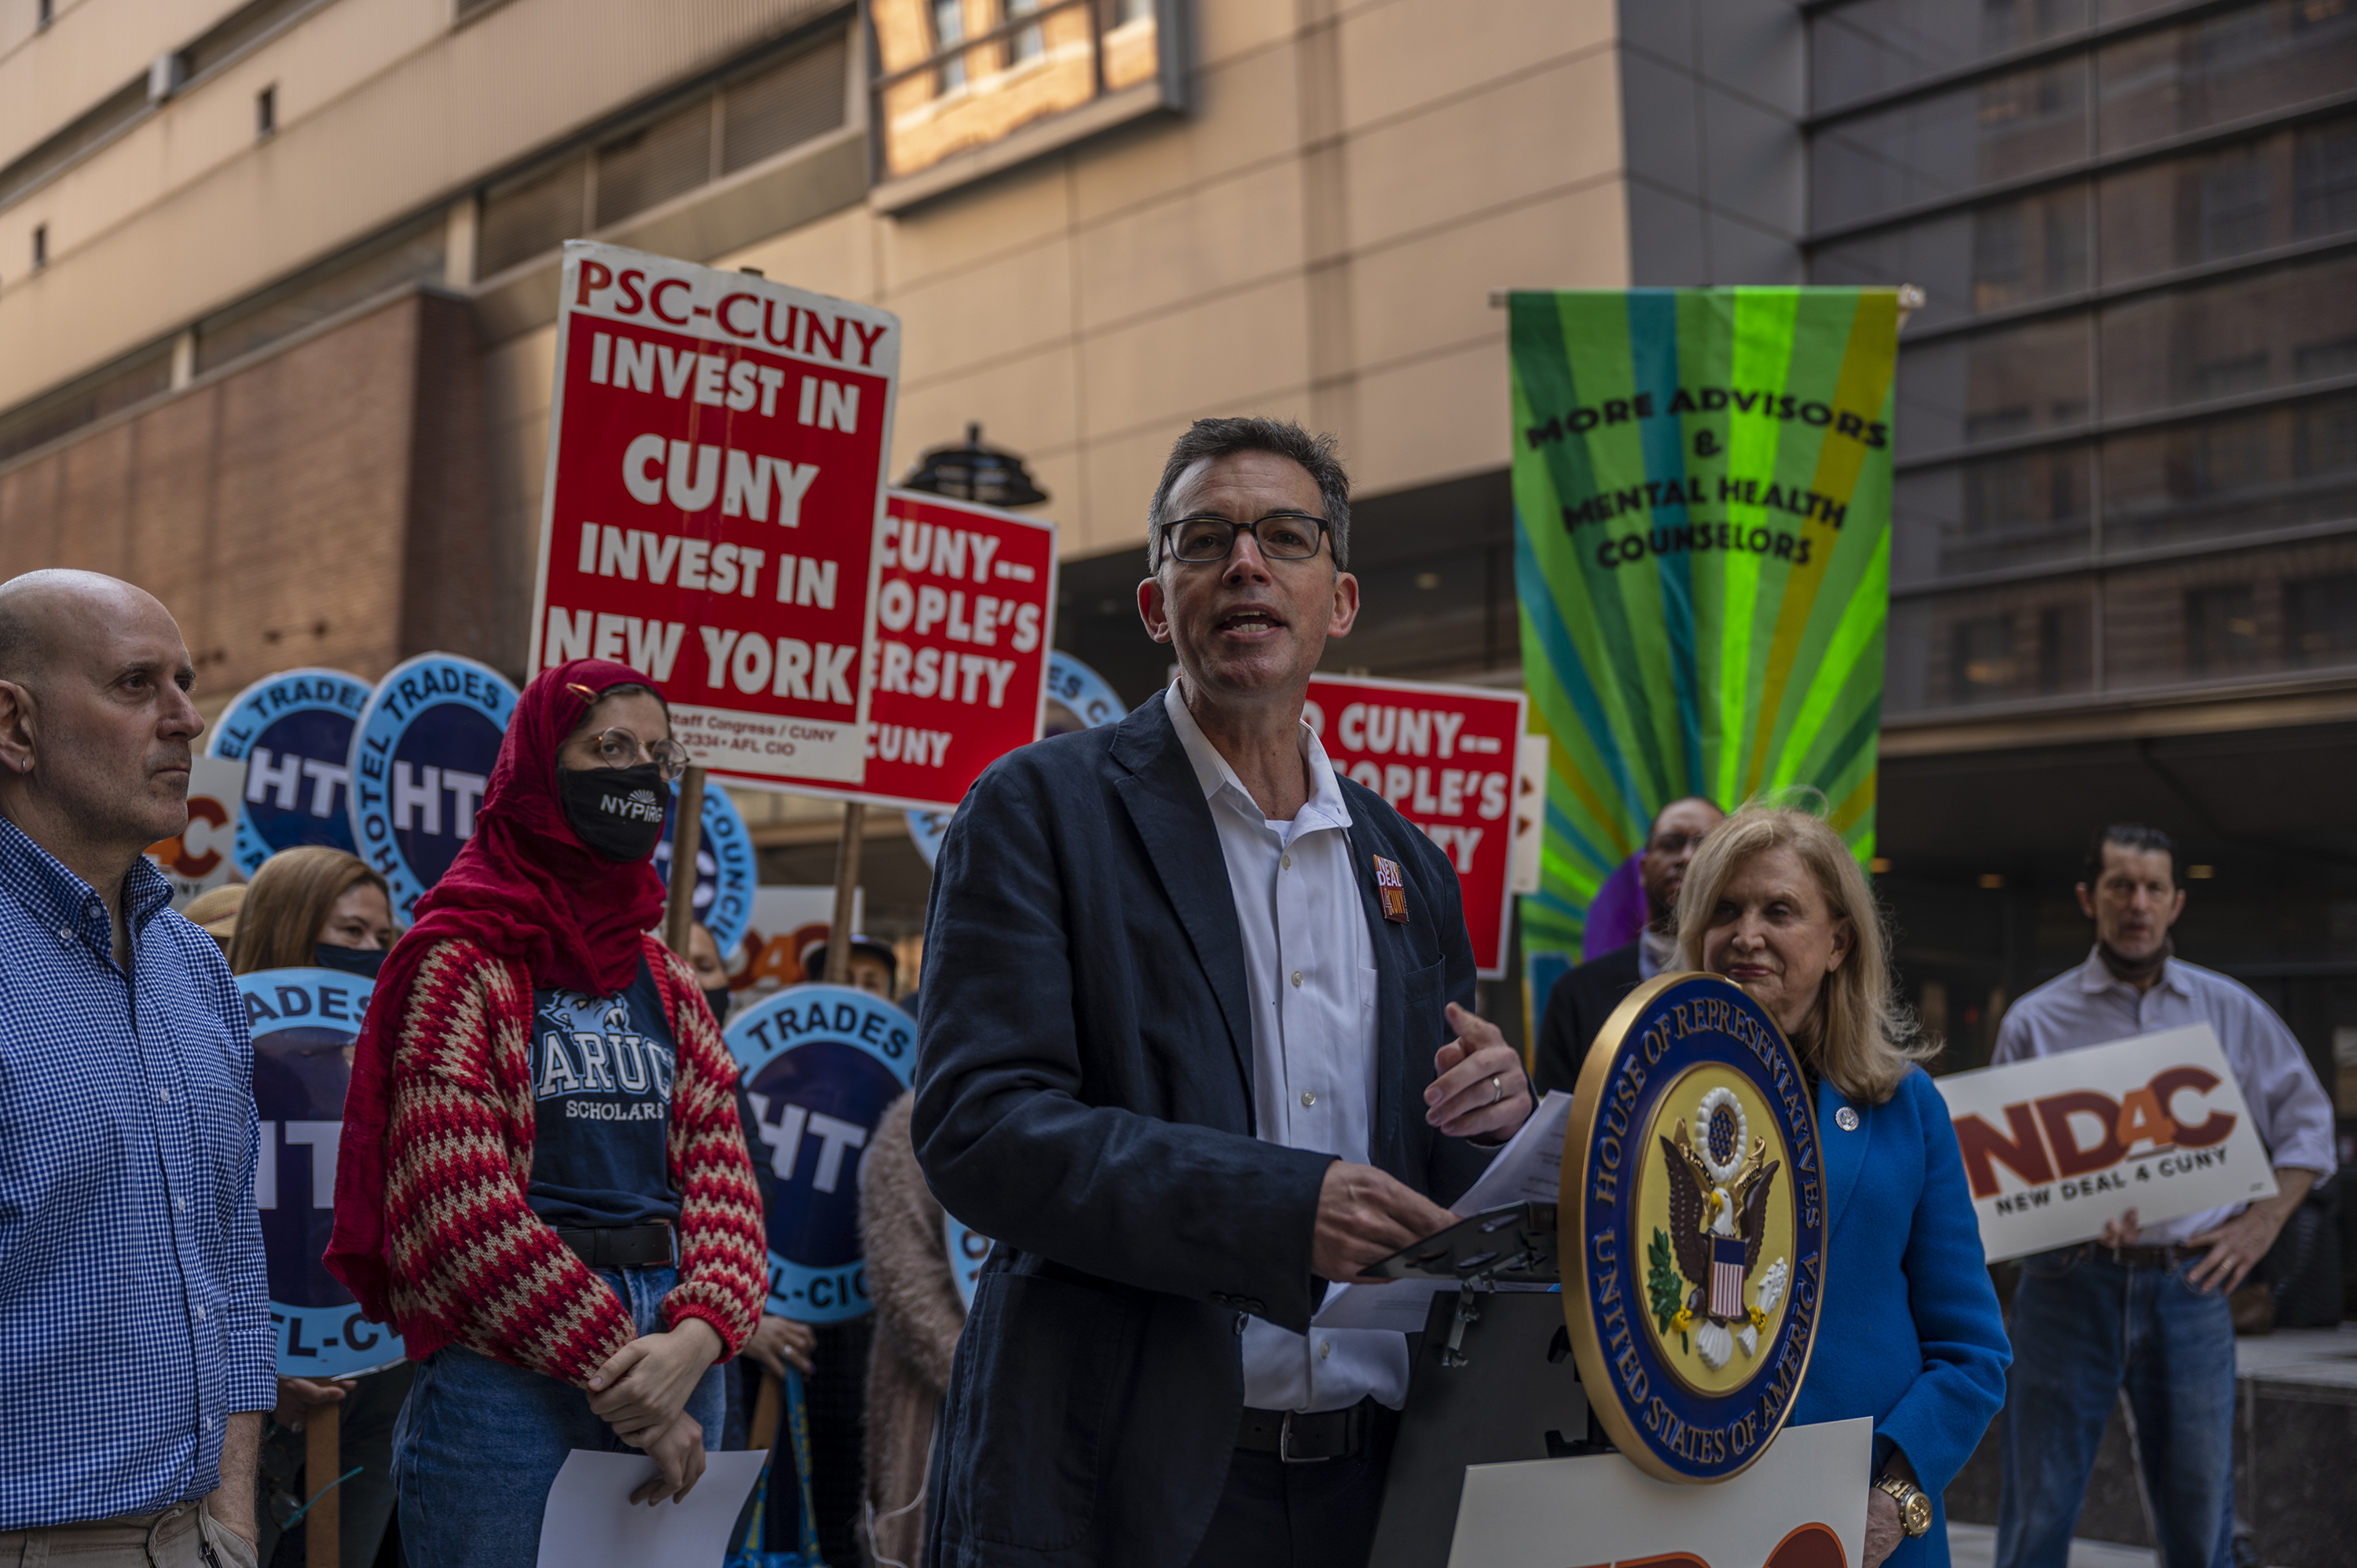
323 505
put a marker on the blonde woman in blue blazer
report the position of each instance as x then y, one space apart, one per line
1912 1335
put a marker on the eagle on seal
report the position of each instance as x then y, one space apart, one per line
1718 1221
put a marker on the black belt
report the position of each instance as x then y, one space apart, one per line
646 1246
1300 1439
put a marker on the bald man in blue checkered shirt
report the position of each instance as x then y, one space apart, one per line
135 1345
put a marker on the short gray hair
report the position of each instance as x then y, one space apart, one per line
1252 432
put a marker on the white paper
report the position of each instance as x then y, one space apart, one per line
590 1521
2119 1155
1519 1514
1529 1169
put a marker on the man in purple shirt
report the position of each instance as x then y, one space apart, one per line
2145 1307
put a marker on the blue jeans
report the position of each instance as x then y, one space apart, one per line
479 1443
2084 1328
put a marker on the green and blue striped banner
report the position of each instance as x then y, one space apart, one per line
1702 550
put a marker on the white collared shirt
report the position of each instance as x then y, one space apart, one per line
2086 1006
1309 976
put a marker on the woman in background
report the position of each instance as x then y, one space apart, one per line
319 907
1911 1335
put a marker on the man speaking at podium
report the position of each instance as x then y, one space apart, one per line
1196 1041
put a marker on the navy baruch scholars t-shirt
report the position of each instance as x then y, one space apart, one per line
601 1075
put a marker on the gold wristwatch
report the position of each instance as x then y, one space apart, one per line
1914 1503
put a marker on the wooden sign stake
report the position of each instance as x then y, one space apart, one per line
323 1458
847 884
766 1406
687 838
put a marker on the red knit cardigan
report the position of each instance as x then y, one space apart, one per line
470 1265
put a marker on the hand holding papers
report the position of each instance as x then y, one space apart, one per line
1530 1168
1527 1170
590 1521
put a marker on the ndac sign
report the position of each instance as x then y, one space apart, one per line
293 732
303 1023
824 1062
1693 1228
420 760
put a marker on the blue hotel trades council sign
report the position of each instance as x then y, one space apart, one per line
1693 1228
822 1063
422 757
303 1023
293 732
726 871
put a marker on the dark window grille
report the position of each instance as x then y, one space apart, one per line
411 253
768 110
133 380
784 105
654 163
532 212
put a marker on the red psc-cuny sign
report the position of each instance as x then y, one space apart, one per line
716 478
964 609
1444 757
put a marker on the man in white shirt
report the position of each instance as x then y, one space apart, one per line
2145 1308
1195 1047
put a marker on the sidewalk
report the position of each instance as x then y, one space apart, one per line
1974 1546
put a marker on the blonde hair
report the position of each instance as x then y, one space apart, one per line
287 907
1862 1036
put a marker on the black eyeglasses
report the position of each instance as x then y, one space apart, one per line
1281 535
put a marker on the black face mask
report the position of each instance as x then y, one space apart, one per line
362 962
617 812
717 1000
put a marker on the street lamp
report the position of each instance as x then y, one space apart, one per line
974 473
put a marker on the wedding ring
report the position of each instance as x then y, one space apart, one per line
1497 1089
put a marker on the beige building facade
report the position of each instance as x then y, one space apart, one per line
1097 220
1305 221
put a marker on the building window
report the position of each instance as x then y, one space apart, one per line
265 112
2234 205
41 246
2320 619
1028 44
2324 180
1983 668
956 76
45 13
2222 629
949 31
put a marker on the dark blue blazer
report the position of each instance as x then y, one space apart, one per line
1912 1335
1084 1096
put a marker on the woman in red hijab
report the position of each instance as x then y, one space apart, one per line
542 1182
